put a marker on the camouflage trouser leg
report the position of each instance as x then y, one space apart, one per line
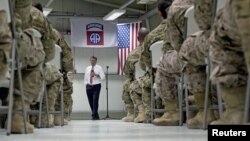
32 81
5 44
166 87
68 90
146 94
136 93
228 66
241 12
32 84
129 105
53 94
167 70
196 79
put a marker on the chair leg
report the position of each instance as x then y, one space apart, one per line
180 98
186 102
47 105
246 112
62 105
206 102
219 97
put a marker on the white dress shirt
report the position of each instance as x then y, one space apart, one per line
96 80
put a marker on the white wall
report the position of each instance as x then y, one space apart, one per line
114 93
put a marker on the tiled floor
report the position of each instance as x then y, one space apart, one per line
109 130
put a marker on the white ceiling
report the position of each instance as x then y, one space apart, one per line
65 9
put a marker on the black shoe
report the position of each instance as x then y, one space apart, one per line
96 118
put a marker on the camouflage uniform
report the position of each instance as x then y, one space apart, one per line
129 70
228 63
135 88
241 13
193 53
5 44
53 79
145 62
170 65
155 35
32 56
67 66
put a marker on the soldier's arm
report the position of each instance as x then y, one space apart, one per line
203 13
67 57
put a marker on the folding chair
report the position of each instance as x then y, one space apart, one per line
15 67
190 28
246 112
156 53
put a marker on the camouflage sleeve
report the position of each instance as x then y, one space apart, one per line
155 35
67 58
203 13
5 43
175 23
52 73
145 55
40 23
166 44
241 13
133 57
128 71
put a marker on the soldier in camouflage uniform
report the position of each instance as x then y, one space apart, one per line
241 14
5 44
33 53
227 57
53 79
193 53
170 66
145 57
135 87
129 70
67 68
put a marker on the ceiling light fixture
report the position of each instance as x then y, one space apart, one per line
114 14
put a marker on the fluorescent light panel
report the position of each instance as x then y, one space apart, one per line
114 14
146 1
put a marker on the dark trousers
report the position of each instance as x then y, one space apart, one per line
93 92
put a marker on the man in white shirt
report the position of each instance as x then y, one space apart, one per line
93 76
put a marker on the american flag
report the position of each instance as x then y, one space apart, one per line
127 42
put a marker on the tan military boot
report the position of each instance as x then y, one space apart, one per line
57 121
197 121
141 116
171 116
17 126
44 121
130 116
234 99
17 117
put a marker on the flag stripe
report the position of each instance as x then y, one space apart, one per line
126 33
